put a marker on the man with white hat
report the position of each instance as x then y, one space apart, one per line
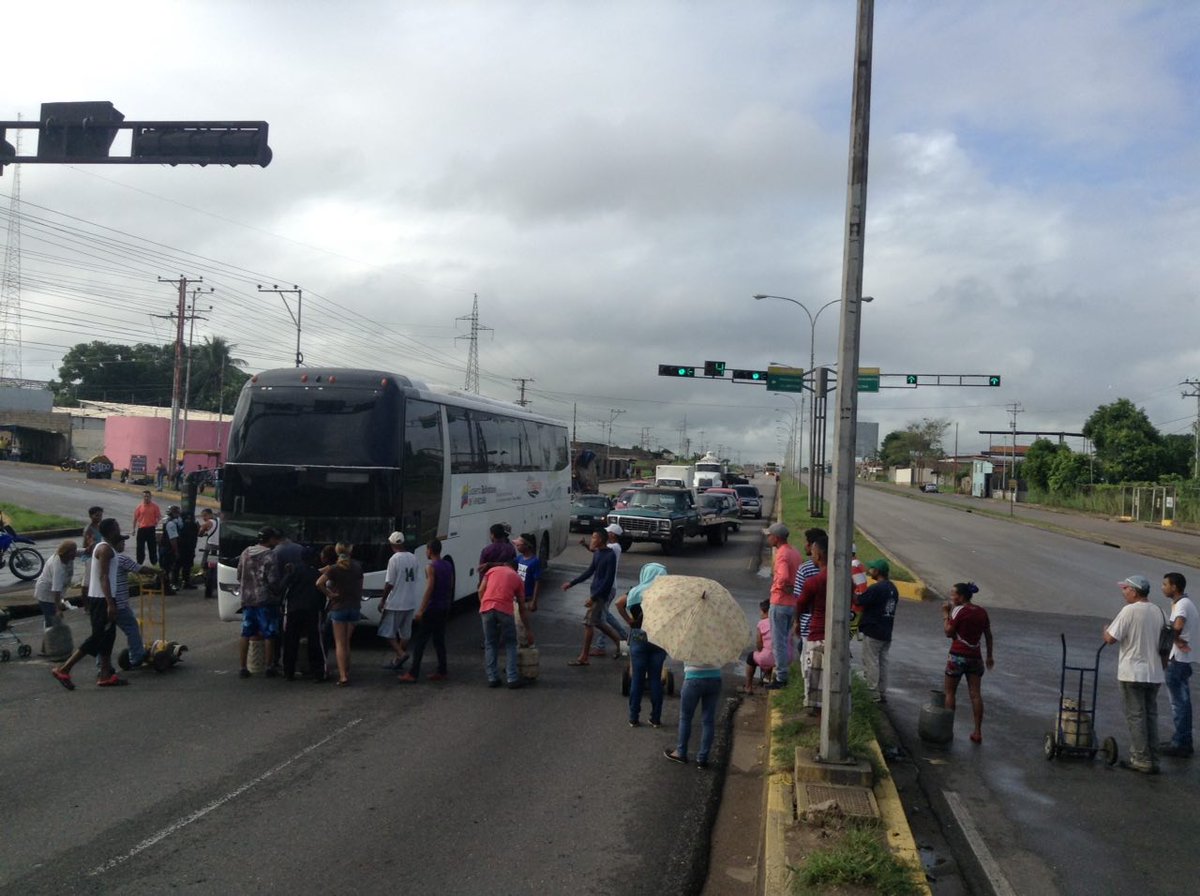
600 646
1139 670
403 588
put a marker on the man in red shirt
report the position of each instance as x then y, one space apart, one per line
812 600
783 599
146 517
501 586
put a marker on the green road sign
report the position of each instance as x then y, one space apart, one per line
785 379
868 379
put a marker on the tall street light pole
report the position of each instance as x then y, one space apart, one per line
814 492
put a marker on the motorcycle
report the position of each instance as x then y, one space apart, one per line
25 561
71 464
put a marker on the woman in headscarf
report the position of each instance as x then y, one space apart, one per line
646 659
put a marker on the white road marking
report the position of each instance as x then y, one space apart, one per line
991 868
181 823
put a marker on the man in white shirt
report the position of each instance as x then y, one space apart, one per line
1139 670
403 588
1186 623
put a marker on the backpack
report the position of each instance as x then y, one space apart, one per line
1166 640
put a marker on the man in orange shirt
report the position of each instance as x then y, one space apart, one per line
501 587
146 517
783 598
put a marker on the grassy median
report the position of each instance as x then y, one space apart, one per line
25 520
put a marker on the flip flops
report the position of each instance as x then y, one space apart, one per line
578 663
63 678
113 681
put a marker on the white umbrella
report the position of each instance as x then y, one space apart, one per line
694 620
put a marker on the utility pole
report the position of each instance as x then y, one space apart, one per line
177 385
1194 385
1011 470
10 283
187 380
299 294
613 414
835 684
523 401
472 382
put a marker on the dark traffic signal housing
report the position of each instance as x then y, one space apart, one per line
714 368
675 370
755 376
994 379
83 134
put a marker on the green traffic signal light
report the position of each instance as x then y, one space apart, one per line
994 380
911 379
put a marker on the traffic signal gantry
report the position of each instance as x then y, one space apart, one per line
83 134
795 379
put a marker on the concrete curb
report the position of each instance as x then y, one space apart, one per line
895 822
780 815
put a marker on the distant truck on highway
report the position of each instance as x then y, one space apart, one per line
710 473
674 475
667 516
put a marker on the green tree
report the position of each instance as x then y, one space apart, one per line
103 371
1128 446
1039 459
1178 455
1068 472
897 449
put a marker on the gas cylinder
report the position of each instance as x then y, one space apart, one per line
936 723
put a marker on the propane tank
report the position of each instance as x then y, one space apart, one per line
936 723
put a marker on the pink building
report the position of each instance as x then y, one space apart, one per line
136 443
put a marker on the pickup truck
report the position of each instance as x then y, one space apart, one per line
667 516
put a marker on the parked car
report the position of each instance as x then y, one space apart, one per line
751 500
929 487
589 512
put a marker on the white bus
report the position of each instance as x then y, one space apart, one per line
329 455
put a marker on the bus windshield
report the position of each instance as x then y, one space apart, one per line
347 426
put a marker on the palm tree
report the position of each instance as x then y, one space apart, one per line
216 379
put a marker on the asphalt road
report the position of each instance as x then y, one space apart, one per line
198 782
1067 826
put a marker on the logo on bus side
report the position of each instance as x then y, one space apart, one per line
534 487
476 495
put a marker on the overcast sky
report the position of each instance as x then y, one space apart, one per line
615 180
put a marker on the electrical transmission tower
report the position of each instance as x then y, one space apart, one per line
472 383
10 284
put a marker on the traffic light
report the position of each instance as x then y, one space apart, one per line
755 376
675 370
75 132
994 379
910 379
242 143
714 368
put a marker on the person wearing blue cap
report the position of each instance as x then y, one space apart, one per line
1139 670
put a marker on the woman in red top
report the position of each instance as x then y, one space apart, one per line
966 625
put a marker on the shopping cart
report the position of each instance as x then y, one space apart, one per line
8 635
1075 726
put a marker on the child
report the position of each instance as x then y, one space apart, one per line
761 657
